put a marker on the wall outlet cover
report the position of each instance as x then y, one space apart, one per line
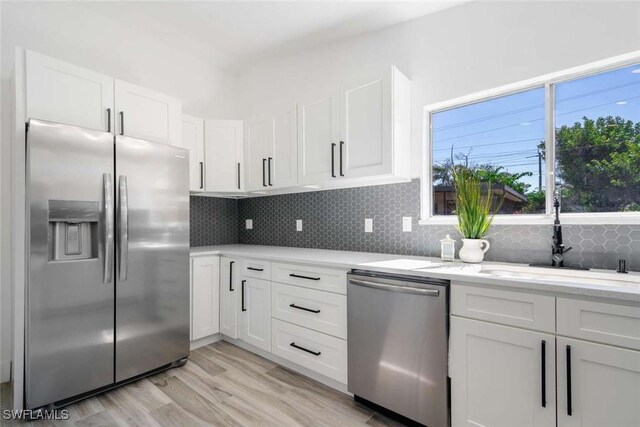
406 223
368 225
249 224
298 225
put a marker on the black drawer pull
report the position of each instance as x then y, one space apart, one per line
255 269
569 403
333 160
303 277
264 162
310 310
341 145
315 353
543 368
242 296
231 276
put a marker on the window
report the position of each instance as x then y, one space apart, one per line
597 147
502 140
577 136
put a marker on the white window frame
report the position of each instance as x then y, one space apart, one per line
548 81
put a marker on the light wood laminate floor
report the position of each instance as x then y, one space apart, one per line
221 385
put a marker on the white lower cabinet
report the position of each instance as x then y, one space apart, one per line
598 385
205 296
319 352
497 375
255 312
229 291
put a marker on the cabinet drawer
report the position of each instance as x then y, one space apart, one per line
313 350
601 322
256 269
325 279
510 308
321 311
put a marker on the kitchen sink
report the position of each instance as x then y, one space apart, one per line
559 275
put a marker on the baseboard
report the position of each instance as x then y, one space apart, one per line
290 365
205 341
5 371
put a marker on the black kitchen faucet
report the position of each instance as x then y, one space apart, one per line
557 249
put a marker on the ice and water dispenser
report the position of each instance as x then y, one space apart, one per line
73 230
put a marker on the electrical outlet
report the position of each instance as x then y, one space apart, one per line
406 223
298 225
249 224
368 225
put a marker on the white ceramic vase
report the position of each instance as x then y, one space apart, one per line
472 250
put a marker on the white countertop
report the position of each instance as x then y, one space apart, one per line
457 271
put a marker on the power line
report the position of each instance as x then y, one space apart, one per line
537 120
493 143
532 107
485 118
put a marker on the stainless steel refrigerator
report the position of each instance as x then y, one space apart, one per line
108 261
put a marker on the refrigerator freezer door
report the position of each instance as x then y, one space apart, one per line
70 293
152 256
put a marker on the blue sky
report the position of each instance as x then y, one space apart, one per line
506 131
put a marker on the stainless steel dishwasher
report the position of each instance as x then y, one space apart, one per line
397 343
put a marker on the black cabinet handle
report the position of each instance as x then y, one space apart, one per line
238 175
303 277
231 276
255 269
341 145
543 368
242 296
108 119
201 174
264 162
333 160
269 171
121 122
569 405
315 353
310 310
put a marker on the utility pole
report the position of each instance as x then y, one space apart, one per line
539 156
539 170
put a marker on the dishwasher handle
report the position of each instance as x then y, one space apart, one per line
395 288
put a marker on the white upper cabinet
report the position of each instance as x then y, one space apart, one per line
318 130
193 140
375 127
259 155
64 93
363 134
285 150
145 114
271 152
223 153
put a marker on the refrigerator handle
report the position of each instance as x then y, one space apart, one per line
107 186
123 232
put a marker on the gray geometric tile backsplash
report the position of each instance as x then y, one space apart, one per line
213 221
334 219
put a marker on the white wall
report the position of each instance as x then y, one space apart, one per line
77 34
466 49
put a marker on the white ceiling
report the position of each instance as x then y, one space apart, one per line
230 33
